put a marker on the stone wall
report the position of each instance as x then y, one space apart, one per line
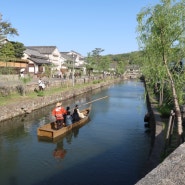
26 106
12 84
169 172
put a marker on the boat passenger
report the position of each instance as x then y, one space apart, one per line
59 112
77 115
81 115
68 117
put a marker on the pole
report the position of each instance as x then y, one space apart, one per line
95 100
73 72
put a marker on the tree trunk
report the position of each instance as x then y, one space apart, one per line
176 106
161 94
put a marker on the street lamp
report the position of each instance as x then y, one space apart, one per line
73 71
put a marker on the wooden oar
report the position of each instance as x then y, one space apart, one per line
94 100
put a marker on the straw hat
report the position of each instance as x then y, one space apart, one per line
58 104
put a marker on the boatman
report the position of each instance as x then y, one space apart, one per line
59 113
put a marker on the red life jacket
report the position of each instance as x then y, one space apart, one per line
58 113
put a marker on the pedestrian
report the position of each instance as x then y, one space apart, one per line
41 85
22 74
59 113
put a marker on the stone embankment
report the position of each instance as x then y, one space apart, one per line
171 170
26 106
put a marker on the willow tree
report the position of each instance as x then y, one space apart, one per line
94 60
6 29
161 31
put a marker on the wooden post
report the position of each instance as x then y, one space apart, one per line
169 125
170 128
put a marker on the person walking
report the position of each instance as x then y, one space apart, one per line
40 84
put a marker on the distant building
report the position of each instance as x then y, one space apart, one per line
36 61
52 53
73 58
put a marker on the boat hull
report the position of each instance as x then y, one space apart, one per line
49 130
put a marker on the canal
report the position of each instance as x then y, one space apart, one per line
111 148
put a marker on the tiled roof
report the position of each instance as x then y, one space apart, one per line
76 53
43 49
39 61
66 56
35 54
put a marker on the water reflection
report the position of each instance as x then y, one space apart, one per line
112 148
59 152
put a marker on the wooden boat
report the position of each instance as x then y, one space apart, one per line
49 130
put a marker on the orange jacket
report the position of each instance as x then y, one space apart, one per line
58 112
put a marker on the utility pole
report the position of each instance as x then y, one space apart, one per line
73 70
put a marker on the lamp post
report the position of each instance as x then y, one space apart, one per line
73 71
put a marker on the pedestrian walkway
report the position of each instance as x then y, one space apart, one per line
169 172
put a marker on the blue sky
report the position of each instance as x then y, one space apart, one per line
79 25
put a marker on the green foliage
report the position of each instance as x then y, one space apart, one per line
161 28
5 91
25 80
7 51
7 70
120 68
165 110
104 63
96 81
22 88
119 62
161 37
47 71
40 93
94 58
19 49
12 50
6 29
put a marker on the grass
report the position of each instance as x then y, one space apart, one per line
16 97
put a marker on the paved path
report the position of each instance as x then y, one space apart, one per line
170 172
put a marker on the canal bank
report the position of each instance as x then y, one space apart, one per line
26 106
115 147
157 135
169 171
157 141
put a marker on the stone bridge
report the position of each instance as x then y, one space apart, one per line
132 72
